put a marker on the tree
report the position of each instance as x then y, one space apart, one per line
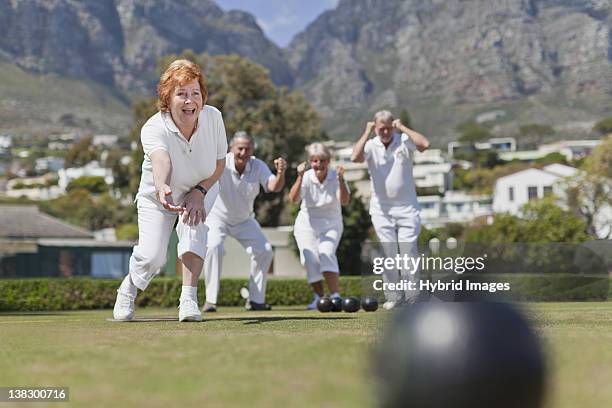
604 126
80 208
282 122
405 118
472 132
589 193
93 184
532 134
550 158
357 226
541 221
121 172
80 153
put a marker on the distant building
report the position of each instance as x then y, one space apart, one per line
570 149
453 206
49 163
34 244
6 142
105 140
90 169
34 188
498 144
490 116
515 190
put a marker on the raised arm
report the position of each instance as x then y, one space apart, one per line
357 156
277 183
345 196
162 170
294 193
418 139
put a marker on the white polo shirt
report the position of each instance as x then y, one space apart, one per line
391 177
238 191
321 200
192 161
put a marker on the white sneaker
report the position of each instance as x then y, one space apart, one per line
313 304
389 305
124 307
189 311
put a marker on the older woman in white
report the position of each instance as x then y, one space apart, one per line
184 155
318 226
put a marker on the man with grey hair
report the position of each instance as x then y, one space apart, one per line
233 215
393 204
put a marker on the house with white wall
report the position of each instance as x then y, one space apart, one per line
513 191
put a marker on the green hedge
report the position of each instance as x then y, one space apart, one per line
88 293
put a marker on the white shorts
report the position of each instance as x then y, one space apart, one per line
318 239
154 228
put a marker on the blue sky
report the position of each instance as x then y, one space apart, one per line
281 19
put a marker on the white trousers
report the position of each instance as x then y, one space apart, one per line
317 240
154 228
398 235
252 238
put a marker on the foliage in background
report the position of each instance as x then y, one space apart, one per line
80 207
93 184
80 153
472 132
405 118
589 193
604 126
357 224
542 221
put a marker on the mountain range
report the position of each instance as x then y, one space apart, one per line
445 61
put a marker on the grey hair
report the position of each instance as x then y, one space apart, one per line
384 116
241 134
318 149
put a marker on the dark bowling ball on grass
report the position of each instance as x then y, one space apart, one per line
369 304
460 355
351 304
324 305
336 304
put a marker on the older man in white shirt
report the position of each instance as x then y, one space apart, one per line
233 215
393 205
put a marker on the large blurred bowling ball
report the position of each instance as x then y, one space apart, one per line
460 355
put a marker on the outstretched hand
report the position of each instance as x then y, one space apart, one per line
164 196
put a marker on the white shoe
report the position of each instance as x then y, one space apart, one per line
389 305
124 307
335 295
189 311
313 304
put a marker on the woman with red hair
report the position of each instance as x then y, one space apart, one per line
184 155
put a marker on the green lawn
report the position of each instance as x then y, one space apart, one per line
284 358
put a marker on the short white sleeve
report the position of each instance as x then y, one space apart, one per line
153 138
264 174
221 138
367 150
408 142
